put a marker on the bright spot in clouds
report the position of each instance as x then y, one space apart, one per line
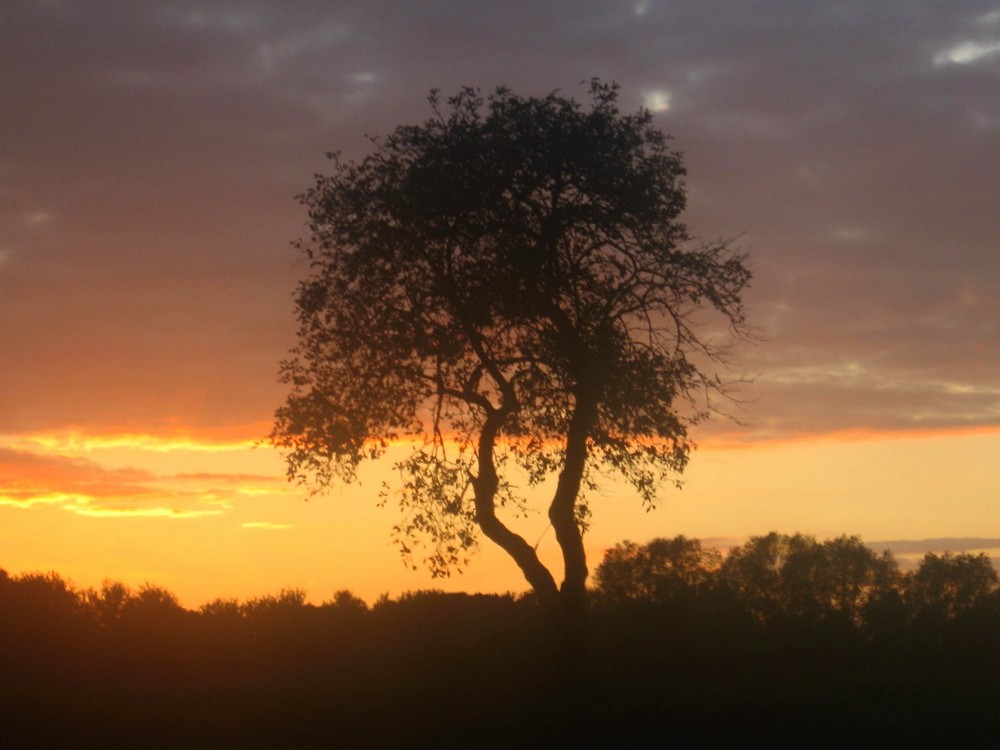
966 52
642 7
854 234
76 442
19 501
656 101
85 507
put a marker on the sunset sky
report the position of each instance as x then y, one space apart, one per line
150 155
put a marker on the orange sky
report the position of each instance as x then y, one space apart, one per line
209 518
149 158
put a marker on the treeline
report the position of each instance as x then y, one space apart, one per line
779 580
785 641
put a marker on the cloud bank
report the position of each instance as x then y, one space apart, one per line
153 151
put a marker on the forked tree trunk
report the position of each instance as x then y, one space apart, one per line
484 487
562 511
537 575
569 601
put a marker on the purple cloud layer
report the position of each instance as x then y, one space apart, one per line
150 153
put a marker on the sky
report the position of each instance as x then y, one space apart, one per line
150 156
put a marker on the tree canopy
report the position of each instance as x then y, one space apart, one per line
781 576
660 570
509 286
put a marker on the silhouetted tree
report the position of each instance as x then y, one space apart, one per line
947 586
154 628
224 610
838 578
41 609
273 619
106 606
797 576
507 284
658 571
347 603
752 572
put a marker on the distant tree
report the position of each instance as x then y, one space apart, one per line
275 617
838 578
150 611
106 606
950 585
228 610
224 625
346 602
41 607
797 576
661 570
752 572
507 284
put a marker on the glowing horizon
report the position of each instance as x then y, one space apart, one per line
159 486
146 277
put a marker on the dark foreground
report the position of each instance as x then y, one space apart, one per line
434 670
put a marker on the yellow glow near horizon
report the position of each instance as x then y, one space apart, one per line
207 524
85 508
78 441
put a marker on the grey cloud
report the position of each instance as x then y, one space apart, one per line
939 545
166 141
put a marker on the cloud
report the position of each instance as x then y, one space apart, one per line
87 508
966 52
989 18
944 544
266 525
910 552
37 218
87 488
28 475
215 477
13 497
656 101
76 441
850 143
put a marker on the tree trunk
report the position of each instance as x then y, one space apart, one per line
523 554
484 488
562 511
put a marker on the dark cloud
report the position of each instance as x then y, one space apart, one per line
151 151
948 544
910 552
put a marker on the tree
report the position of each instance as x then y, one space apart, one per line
752 572
661 570
945 587
509 286
797 576
106 606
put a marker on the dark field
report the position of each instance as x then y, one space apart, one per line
701 666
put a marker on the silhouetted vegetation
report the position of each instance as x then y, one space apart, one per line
784 641
512 274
